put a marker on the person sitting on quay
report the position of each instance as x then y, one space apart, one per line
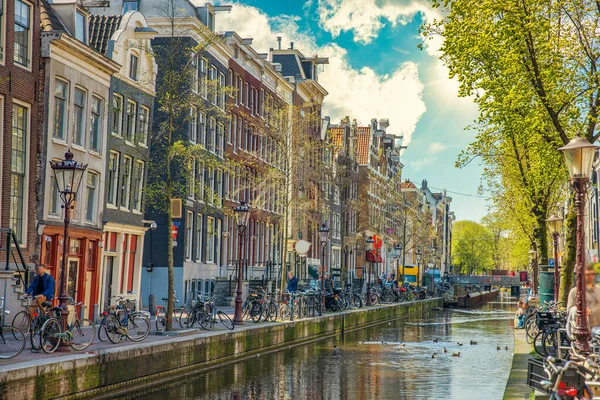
41 288
520 315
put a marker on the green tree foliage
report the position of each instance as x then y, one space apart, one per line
472 247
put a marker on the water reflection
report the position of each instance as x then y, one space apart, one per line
389 361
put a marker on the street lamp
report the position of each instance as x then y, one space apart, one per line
324 237
242 213
579 156
67 177
398 252
369 244
533 258
555 223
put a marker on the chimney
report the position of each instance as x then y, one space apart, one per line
278 42
424 184
384 123
291 45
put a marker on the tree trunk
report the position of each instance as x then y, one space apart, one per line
541 238
568 266
170 263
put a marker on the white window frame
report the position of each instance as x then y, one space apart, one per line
91 220
202 128
29 37
127 160
189 235
100 118
83 122
193 124
203 78
2 30
139 165
210 249
192 180
221 93
65 116
84 39
144 125
198 234
231 128
25 203
196 73
130 139
134 73
120 112
112 202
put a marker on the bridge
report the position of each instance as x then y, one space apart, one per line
485 280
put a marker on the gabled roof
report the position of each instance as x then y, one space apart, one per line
336 136
407 185
49 21
363 143
102 28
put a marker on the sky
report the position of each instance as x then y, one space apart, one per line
376 70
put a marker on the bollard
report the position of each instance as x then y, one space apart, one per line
151 304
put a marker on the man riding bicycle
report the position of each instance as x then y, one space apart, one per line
41 288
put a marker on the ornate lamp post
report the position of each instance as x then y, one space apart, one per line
579 156
555 223
369 244
242 213
534 278
397 253
323 237
67 176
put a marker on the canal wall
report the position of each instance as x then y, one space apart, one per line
81 375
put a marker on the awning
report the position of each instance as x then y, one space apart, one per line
371 256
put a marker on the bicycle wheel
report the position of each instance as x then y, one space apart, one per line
83 333
297 309
225 320
206 320
22 321
256 311
161 320
246 310
272 315
36 329
538 344
356 301
112 327
184 319
531 329
11 343
284 312
138 327
549 343
49 341
102 335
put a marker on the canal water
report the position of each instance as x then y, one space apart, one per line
389 361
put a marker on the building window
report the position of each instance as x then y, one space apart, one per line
126 181
116 114
217 238
210 231
193 125
195 72
22 34
203 84
112 178
212 135
130 6
247 95
252 100
262 103
95 124
213 79
90 211
20 132
192 179
199 237
222 90
137 186
133 67
231 127
2 30
80 28
202 129
144 124
219 184
60 110
200 181
220 138
189 235
130 121
240 88
54 207
79 116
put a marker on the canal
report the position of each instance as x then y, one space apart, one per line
390 361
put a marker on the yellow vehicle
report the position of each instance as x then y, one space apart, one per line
412 274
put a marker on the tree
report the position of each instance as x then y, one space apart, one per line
540 55
472 247
178 90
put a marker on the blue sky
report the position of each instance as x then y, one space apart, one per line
377 71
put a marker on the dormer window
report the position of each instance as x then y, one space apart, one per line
130 6
80 27
133 67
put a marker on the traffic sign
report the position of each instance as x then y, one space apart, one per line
551 262
174 232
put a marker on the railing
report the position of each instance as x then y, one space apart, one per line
490 280
12 244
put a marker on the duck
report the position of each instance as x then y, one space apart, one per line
460 344
434 355
456 354
472 343
402 344
360 342
497 347
382 342
445 351
506 348
435 340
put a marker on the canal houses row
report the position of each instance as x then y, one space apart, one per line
84 79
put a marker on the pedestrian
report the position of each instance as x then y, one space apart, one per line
520 315
592 295
292 285
41 288
328 282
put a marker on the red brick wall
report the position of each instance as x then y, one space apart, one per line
19 84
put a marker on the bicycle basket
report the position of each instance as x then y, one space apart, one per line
544 318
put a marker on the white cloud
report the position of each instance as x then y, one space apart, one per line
360 94
436 147
417 165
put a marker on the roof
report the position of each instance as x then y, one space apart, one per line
102 27
363 141
49 21
336 135
289 65
407 185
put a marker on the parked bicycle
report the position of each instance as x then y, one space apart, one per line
120 322
78 334
160 318
12 339
206 314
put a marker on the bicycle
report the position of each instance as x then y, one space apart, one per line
31 323
11 345
79 334
134 326
557 390
200 312
160 318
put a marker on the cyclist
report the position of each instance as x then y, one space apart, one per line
41 288
292 285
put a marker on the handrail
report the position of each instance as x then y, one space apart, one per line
9 252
